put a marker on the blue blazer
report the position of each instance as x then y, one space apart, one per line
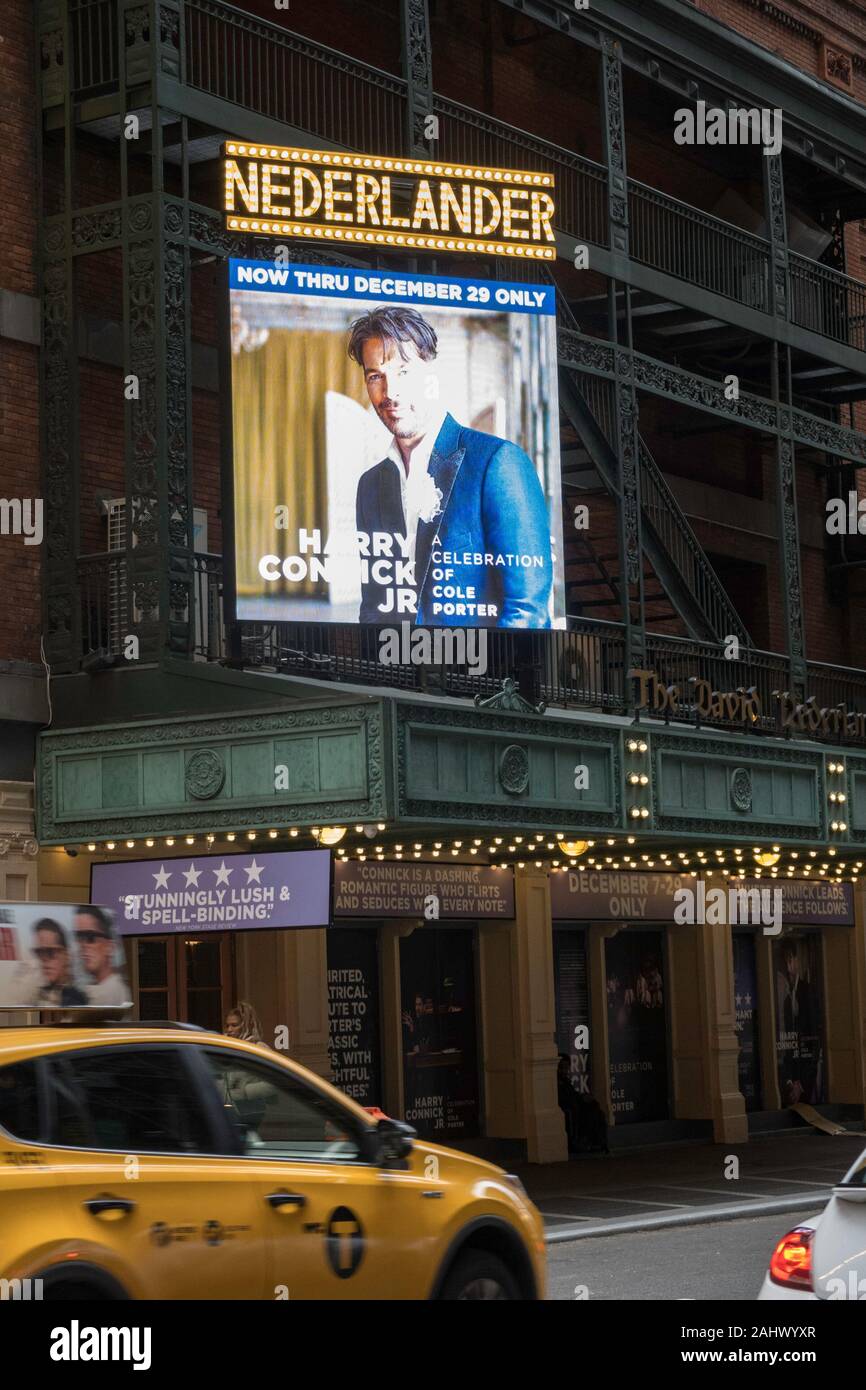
492 504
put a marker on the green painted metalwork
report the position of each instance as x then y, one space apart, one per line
284 768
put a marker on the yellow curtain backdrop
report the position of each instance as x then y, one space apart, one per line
278 407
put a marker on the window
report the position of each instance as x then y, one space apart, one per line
276 1116
19 1102
138 1100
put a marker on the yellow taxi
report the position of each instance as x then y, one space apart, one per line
152 1162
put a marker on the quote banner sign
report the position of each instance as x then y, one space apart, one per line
216 892
422 890
609 896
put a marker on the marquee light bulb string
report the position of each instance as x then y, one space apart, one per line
552 851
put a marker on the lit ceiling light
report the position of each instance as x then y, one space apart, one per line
330 834
573 849
767 858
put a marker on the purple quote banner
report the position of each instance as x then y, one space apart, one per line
215 892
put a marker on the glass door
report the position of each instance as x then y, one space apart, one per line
185 978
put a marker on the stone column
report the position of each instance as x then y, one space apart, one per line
390 936
720 1044
532 992
766 977
18 859
599 1054
845 1007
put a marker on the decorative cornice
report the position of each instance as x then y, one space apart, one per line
238 731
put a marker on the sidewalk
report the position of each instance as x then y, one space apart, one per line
595 1195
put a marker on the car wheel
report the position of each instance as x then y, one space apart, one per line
480 1275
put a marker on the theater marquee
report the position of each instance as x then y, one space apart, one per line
331 196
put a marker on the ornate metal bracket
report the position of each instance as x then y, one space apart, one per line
508 700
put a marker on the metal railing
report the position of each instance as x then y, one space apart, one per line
269 70
835 685
582 668
93 27
468 136
692 245
111 612
678 661
827 301
662 510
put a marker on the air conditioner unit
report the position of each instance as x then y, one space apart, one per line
118 619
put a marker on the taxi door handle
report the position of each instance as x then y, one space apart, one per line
98 1206
286 1199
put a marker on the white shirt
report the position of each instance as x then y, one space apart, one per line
416 490
111 990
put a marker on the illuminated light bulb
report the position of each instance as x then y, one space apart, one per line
272 834
109 844
231 836
331 834
190 839
573 849
294 834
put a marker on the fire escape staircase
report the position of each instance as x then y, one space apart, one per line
679 564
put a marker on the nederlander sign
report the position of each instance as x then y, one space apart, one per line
744 706
603 895
330 195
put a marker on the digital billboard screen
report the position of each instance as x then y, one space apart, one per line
395 448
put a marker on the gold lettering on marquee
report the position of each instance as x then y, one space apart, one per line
367 191
302 176
269 208
336 195
346 197
462 210
425 208
483 228
249 191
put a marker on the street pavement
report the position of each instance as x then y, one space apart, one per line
681 1185
724 1261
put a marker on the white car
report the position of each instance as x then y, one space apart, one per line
825 1257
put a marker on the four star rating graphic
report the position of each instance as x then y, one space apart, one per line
192 875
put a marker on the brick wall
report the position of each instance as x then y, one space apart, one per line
20 612
484 56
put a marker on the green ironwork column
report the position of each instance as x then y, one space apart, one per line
627 410
418 72
789 531
159 532
786 477
58 372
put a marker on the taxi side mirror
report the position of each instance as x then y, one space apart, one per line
393 1140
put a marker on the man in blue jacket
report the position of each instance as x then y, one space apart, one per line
453 523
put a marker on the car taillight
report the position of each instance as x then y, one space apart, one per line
791 1264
